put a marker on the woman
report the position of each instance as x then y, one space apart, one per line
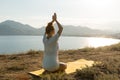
50 59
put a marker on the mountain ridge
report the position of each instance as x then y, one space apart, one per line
10 27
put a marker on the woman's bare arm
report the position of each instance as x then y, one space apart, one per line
59 27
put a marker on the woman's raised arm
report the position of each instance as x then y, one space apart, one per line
59 25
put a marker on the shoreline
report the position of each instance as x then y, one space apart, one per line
23 52
101 36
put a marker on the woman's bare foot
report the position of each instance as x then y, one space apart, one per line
62 67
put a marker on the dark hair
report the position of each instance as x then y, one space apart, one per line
49 28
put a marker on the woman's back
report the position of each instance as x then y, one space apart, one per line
50 59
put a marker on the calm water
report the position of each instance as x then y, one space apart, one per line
15 44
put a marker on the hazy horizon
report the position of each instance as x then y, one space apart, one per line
95 14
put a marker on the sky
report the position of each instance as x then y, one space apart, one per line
97 14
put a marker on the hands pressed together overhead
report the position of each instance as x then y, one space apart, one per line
54 17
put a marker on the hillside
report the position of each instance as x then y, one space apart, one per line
16 66
10 27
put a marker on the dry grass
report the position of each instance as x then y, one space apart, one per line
107 70
16 66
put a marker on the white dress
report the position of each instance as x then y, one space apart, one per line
50 59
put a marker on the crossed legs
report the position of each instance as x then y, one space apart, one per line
62 67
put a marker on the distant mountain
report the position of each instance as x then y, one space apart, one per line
117 35
81 31
69 30
10 27
113 26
